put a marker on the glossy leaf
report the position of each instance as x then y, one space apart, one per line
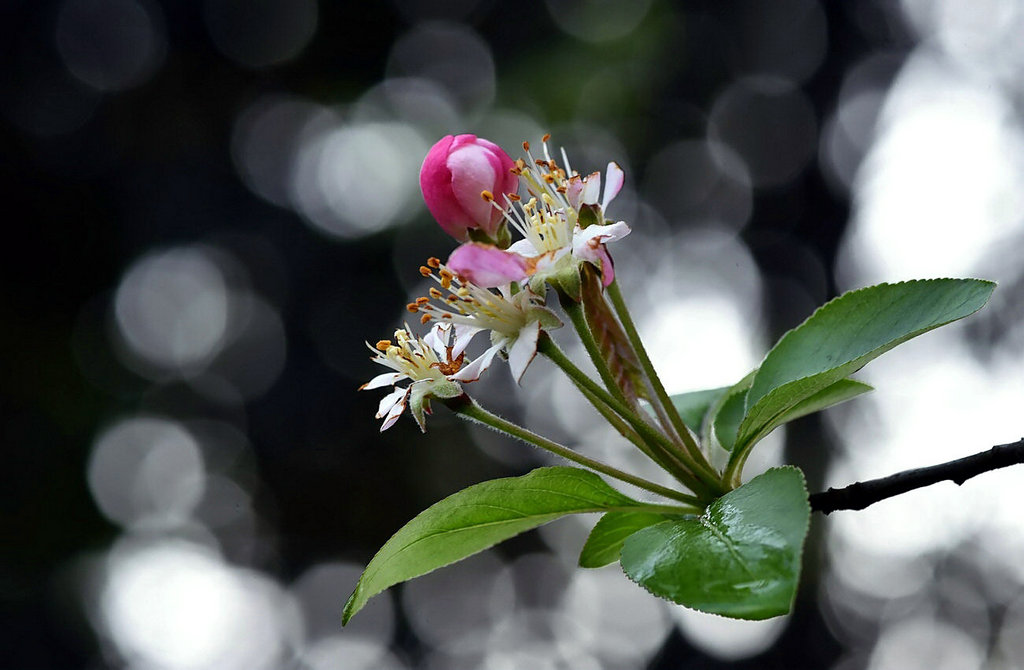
740 559
845 334
605 541
479 517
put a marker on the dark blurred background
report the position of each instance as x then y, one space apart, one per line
211 205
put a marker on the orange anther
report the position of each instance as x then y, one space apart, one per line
434 262
383 345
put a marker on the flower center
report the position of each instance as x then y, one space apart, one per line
411 356
462 302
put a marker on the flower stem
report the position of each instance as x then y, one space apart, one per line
579 321
468 408
655 445
704 469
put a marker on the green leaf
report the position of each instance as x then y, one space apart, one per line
845 334
727 421
693 406
740 559
841 391
479 517
711 419
605 540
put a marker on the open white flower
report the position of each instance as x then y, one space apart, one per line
435 364
514 319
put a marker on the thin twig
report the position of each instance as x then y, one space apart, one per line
861 494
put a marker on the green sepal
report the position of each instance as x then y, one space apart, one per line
590 215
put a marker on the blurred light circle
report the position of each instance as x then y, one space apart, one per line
702 341
784 38
171 308
943 182
620 622
925 644
111 45
356 180
255 351
984 35
415 11
453 608
598 20
847 135
258 33
727 639
264 141
323 588
349 652
176 606
699 182
146 470
423 103
451 54
770 124
538 639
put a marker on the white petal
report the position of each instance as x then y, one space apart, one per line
395 412
591 188
586 242
387 403
523 349
437 337
615 178
463 336
524 248
385 379
572 193
472 372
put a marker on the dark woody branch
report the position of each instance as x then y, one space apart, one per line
860 495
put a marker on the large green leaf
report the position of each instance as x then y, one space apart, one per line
604 543
845 334
740 559
693 406
479 517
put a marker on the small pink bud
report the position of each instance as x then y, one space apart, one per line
456 171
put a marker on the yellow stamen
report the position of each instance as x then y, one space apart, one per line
434 262
383 345
425 271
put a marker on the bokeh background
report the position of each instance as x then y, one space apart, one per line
212 204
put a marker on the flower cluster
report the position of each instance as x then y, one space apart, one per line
490 283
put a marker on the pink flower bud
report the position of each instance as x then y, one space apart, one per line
455 173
